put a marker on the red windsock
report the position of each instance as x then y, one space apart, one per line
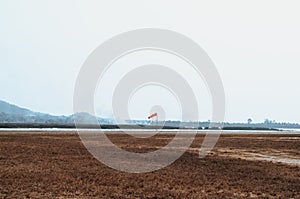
153 115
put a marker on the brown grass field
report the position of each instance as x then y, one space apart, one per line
45 165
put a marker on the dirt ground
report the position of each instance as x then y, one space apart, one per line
240 166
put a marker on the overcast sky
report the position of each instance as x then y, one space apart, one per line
255 46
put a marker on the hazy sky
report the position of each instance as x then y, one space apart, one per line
255 46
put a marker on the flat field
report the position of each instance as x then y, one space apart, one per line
45 165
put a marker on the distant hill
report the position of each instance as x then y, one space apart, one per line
10 113
11 109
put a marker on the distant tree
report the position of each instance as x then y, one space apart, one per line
268 121
249 120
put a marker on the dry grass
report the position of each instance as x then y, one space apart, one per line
59 166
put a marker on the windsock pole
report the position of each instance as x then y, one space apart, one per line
152 116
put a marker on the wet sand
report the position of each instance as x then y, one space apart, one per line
240 166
